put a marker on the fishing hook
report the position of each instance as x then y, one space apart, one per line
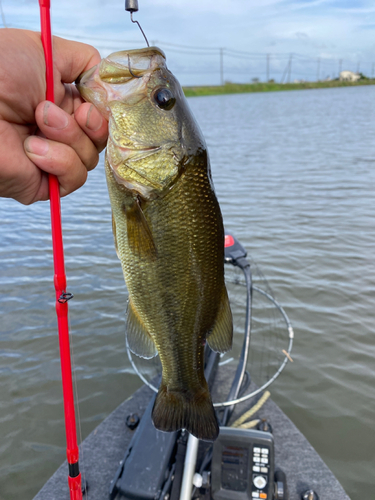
130 70
136 22
132 6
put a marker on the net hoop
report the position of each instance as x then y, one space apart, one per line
260 389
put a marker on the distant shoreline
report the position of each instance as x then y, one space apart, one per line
239 88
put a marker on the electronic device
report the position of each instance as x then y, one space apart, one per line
243 465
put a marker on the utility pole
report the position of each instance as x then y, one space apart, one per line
340 66
358 66
268 67
318 70
221 66
290 67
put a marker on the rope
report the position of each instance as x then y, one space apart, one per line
251 412
251 424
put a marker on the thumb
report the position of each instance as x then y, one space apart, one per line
72 58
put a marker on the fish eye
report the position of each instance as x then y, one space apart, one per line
164 99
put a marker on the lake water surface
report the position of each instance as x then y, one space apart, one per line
295 176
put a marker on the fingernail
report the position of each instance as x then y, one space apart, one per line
94 119
36 146
54 117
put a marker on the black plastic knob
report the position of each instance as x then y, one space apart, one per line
264 426
132 421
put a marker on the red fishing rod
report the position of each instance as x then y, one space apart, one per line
62 297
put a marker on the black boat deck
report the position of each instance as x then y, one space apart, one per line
105 447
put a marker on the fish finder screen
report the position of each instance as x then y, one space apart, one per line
234 468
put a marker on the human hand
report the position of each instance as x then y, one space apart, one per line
38 137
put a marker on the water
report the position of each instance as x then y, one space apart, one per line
295 176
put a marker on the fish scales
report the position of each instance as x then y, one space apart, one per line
169 237
183 271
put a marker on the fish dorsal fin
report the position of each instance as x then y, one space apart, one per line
140 239
221 335
138 338
114 235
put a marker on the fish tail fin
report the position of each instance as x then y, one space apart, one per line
193 411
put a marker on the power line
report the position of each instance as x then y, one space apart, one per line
252 61
193 49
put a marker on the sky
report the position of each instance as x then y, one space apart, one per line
318 33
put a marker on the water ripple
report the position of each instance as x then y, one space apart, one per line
294 175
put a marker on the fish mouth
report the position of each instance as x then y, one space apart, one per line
84 77
122 76
122 66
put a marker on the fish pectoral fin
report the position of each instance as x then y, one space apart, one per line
138 338
221 336
140 239
114 235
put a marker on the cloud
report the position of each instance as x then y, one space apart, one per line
341 28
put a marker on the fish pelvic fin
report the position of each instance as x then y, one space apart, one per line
140 239
193 411
139 340
221 336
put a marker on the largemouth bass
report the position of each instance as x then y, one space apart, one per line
168 230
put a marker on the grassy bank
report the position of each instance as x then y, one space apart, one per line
239 88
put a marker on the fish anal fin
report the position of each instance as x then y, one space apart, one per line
138 338
221 336
193 411
140 239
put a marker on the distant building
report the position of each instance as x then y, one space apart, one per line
349 76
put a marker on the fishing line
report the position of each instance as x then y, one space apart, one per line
76 400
